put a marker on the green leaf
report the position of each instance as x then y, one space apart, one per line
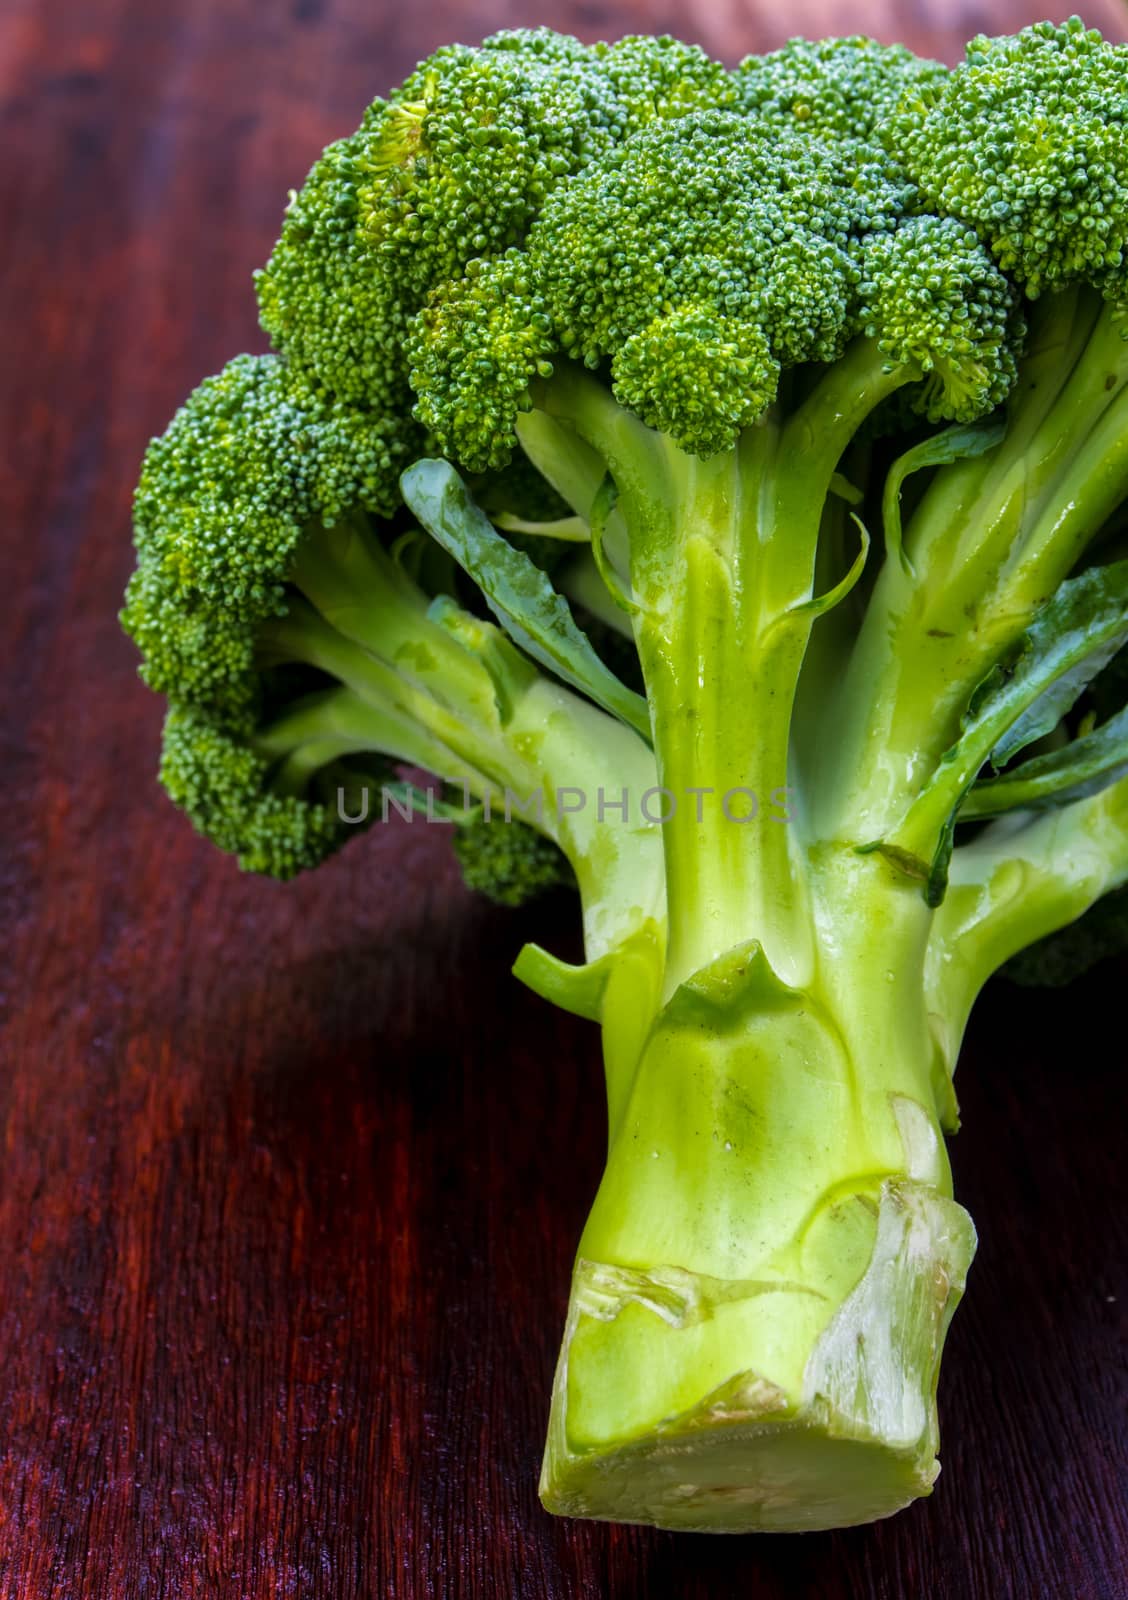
1070 641
958 443
519 594
936 886
1074 635
823 603
1082 768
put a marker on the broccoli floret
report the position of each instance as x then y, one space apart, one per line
931 295
655 79
474 350
509 862
278 604
453 168
327 302
701 258
837 89
769 588
212 770
226 493
1026 143
474 141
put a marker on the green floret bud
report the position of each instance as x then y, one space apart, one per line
215 775
226 494
204 657
932 295
697 260
697 376
702 255
475 350
839 88
326 302
509 862
1026 143
656 77
479 138
455 166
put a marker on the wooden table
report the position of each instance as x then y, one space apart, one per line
291 1177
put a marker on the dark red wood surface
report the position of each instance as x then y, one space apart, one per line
291 1177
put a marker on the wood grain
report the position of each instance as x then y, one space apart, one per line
291 1177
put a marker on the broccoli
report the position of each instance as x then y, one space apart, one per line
599 373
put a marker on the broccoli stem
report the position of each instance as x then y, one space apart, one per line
431 685
990 541
776 1178
764 1283
768 1272
722 561
1022 878
705 623
342 722
452 732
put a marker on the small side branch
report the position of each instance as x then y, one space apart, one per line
1024 877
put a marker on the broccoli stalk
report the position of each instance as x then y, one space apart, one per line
767 1275
767 1076
991 541
766 1278
705 333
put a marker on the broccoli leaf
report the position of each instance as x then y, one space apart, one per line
1069 642
519 594
1081 768
958 443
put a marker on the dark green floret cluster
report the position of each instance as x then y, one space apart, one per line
253 459
716 481
1027 144
700 259
833 88
215 774
931 295
507 862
